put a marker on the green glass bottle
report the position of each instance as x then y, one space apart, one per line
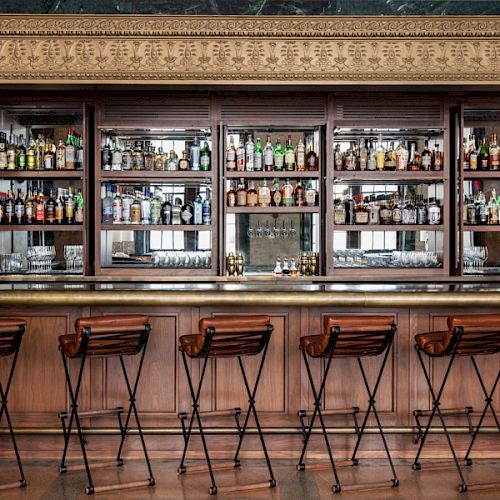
483 157
279 156
205 158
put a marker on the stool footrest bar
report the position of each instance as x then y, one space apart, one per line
222 413
120 486
97 465
246 487
483 486
367 486
437 465
328 465
15 484
445 411
204 468
338 411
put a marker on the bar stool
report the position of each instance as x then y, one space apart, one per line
467 335
11 334
104 337
347 337
226 337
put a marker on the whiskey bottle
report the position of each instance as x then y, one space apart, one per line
312 159
137 157
29 209
249 154
241 194
494 153
252 198
70 151
426 162
61 157
231 155
493 215
205 158
268 155
409 212
421 211
311 195
361 214
48 159
371 162
231 196
434 212
301 156
194 155
350 158
289 155
59 211
39 209
31 156
184 163
19 208
483 156
339 213
437 164
380 156
264 195
363 155
401 156
337 158
11 156
160 160
373 211
385 212
473 154
50 207
279 156
240 156
259 156
390 158
166 211
69 208
397 212
3 151
298 195
40 151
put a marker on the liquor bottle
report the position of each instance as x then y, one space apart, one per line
135 211
373 211
349 210
390 158
231 196
421 211
187 214
483 156
287 197
380 156
473 154
312 159
299 195
79 153
79 202
350 158
337 158
116 157
11 156
465 153
184 163
401 156
172 161
301 161
241 194
39 209
107 204
252 198
426 156
194 155
138 156
371 161
29 209
249 154
59 210
197 208
279 156
231 155
127 158
206 211
258 156
70 151
19 208
149 157
146 206
471 212
166 211
21 154
3 151
412 165
276 196
2 211
160 160
310 195
481 208
289 155
385 212
31 155
397 212
50 209
176 212
61 156
433 212
494 153
409 212
48 158
156 205
127 200
363 155
240 156
268 155
437 164
105 155
205 158
40 151
339 213
69 208
10 211
117 207
264 195
493 215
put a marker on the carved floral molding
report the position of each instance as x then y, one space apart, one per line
249 50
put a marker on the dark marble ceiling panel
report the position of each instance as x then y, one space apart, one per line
256 7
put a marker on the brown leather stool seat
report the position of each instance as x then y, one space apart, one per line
467 336
225 337
104 337
11 334
346 337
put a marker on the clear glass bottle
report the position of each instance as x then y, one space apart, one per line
268 155
61 157
160 160
240 156
194 155
350 158
493 215
3 151
409 212
197 210
287 194
145 207
249 154
337 158
107 204
380 156
231 155
149 157
339 213
69 207
301 160
116 157
117 206
373 211
264 195
127 200
138 156
105 154
172 161
363 155
156 206
206 211
371 162
434 212
176 212
127 157
401 156
135 211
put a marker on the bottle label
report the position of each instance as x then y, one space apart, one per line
371 164
69 207
434 215
495 161
277 198
426 162
396 215
311 197
59 214
61 159
186 216
240 160
339 215
252 199
204 162
117 212
278 162
290 158
249 161
258 161
264 196
48 162
473 161
21 161
268 157
3 160
361 217
206 214
350 162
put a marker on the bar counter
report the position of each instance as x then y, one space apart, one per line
296 309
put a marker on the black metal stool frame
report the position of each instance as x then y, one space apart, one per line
330 349
458 342
74 392
4 395
195 396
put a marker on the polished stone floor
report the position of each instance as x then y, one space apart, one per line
45 483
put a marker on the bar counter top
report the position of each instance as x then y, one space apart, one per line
299 294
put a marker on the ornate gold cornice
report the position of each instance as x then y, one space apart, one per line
249 50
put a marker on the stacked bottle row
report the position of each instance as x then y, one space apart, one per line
143 156
42 153
252 157
481 157
373 156
477 211
387 210
38 208
143 206
280 194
